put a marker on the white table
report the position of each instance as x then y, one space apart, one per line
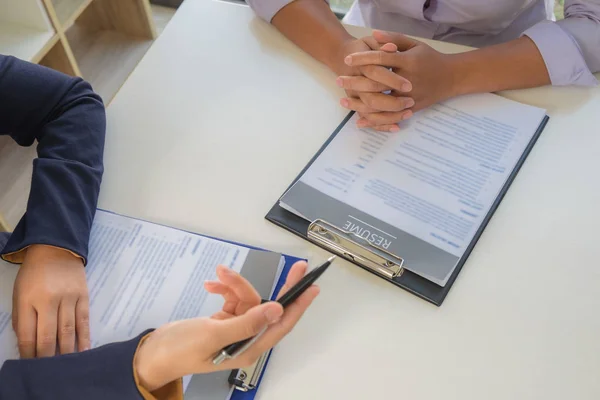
222 114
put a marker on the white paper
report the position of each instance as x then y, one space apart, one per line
437 178
140 275
8 340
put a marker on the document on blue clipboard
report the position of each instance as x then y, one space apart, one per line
424 192
142 275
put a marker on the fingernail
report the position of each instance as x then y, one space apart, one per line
273 314
394 128
406 87
361 124
348 60
390 47
410 103
228 271
406 116
344 103
340 82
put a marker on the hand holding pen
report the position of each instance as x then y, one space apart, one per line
189 347
287 297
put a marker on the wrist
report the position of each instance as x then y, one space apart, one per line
48 253
147 366
482 70
335 60
459 75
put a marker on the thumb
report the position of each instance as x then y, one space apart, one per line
248 324
402 41
389 47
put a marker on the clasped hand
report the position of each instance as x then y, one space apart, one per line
389 76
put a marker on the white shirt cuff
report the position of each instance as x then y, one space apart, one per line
562 55
266 9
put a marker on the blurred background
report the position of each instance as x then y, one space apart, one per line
342 6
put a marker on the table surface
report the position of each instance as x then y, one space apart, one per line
222 114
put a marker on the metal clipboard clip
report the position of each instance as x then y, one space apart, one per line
245 379
355 248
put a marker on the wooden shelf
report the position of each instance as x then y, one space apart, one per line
108 40
4 227
58 58
106 58
162 16
23 42
68 11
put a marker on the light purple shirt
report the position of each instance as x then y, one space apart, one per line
570 47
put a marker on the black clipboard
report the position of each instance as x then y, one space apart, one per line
408 280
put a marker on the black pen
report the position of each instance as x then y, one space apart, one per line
235 349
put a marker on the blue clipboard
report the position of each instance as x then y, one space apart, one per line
289 261
249 395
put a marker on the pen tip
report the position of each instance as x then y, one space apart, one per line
331 258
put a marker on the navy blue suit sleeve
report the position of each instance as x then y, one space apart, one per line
68 121
102 373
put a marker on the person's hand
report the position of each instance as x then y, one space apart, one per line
365 85
188 347
50 303
429 71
